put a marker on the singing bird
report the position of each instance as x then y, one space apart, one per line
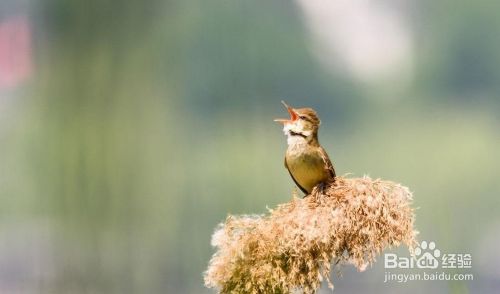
306 161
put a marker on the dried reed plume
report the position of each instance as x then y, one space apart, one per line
294 247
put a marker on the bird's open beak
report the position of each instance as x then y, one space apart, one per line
293 115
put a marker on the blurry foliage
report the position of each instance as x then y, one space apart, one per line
148 121
459 47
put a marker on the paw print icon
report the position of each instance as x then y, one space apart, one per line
426 255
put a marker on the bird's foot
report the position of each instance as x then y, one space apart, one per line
322 187
319 189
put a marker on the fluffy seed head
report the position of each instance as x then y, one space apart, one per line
294 247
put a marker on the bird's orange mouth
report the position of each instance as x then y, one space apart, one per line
293 115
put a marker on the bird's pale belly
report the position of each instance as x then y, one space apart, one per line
307 169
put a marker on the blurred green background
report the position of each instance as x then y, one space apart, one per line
130 129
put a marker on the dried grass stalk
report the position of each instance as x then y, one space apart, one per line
293 248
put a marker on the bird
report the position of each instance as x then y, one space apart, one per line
305 159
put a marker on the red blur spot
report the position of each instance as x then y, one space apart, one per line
15 51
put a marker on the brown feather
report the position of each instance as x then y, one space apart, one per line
328 162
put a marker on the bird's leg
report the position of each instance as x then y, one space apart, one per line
321 187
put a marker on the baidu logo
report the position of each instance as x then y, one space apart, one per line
427 256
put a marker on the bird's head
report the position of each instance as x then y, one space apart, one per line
302 125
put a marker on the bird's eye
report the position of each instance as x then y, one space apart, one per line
302 117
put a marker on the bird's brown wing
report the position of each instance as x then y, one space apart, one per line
328 163
296 183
